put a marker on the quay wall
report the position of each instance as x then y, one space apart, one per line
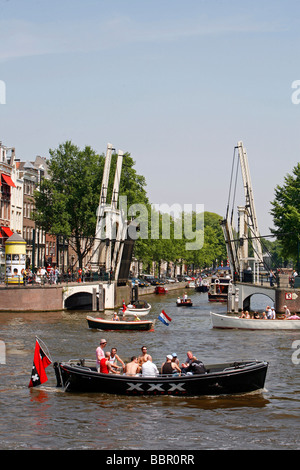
289 297
49 298
31 299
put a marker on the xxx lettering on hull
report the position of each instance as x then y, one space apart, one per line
156 388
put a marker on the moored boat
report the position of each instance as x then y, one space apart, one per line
218 289
226 378
161 290
138 308
120 325
235 322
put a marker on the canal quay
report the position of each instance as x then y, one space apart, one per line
46 417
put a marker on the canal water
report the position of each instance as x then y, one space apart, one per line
47 418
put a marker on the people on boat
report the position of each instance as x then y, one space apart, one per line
169 367
116 317
185 297
100 353
175 358
105 365
189 359
114 358
178 300
256 315
144 356
133 368
193 365
149 369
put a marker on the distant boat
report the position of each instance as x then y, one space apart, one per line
230 321
184 303
218 290
138 308
161 290
121 325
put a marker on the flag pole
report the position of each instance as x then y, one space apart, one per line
47 352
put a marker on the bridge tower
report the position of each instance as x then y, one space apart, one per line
111 227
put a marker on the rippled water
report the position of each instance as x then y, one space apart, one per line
48 418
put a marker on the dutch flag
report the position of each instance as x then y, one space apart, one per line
163 317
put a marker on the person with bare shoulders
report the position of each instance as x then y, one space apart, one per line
144 356
132 368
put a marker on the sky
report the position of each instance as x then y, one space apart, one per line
175 83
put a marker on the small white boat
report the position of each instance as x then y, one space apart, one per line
230 321
138 308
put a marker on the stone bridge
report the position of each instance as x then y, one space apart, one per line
97 296
242 292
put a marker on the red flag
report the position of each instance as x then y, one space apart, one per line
40 362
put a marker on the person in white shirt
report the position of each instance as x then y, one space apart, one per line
149 369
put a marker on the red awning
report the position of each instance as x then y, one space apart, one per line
8 180
7 232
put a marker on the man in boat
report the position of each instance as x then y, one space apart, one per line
193 365
105 365
144 357
170 367
100 353
133 368
114 358
149 369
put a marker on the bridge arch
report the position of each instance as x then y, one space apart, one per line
247 291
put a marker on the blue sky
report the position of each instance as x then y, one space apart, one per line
177 84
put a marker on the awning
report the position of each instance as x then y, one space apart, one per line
7 232
8 180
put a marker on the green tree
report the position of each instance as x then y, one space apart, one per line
66 203
286 214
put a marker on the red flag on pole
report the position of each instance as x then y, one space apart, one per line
40 362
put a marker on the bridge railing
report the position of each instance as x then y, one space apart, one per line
33 279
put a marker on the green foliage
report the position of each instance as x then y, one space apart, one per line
286 214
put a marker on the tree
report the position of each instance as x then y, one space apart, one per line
66 203
286 214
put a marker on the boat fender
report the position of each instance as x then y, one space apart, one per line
57 374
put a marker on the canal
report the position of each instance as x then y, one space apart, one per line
47 418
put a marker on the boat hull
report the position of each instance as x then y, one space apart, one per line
229 378
231 322
184 304
140 312
136 325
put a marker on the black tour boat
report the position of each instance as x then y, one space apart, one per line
227 378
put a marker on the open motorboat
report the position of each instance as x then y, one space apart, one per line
227 378
231 321
137 308
120 325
